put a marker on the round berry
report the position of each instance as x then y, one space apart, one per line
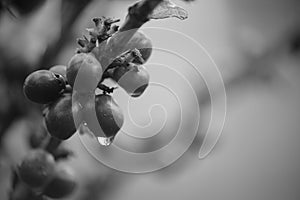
104 111
62 184
142 43
134 79
59 118
86 70
43 86
59 69
37 168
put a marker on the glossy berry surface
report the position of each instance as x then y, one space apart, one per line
59 118
109 114
141 42
86 70
37 168
59 69
43 86
134 79
62 184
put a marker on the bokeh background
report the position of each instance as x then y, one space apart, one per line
256 46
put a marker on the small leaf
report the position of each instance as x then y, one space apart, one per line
167 9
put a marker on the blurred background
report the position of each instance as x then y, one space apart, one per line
256 46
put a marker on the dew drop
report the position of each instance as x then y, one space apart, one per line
105 141
84 129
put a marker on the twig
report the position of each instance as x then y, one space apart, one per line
136 17
138 14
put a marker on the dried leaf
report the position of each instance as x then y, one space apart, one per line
167 9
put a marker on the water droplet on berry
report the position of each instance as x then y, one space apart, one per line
84 129
105 141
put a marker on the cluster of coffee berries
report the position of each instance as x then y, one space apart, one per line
67 91
40 172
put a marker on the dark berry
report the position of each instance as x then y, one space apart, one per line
109 114
43 86
59 118
62 184
37 168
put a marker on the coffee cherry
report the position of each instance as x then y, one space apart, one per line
89 71
108 115
62 184
37 168
59 119
134 79
59 69
43 86
142 43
